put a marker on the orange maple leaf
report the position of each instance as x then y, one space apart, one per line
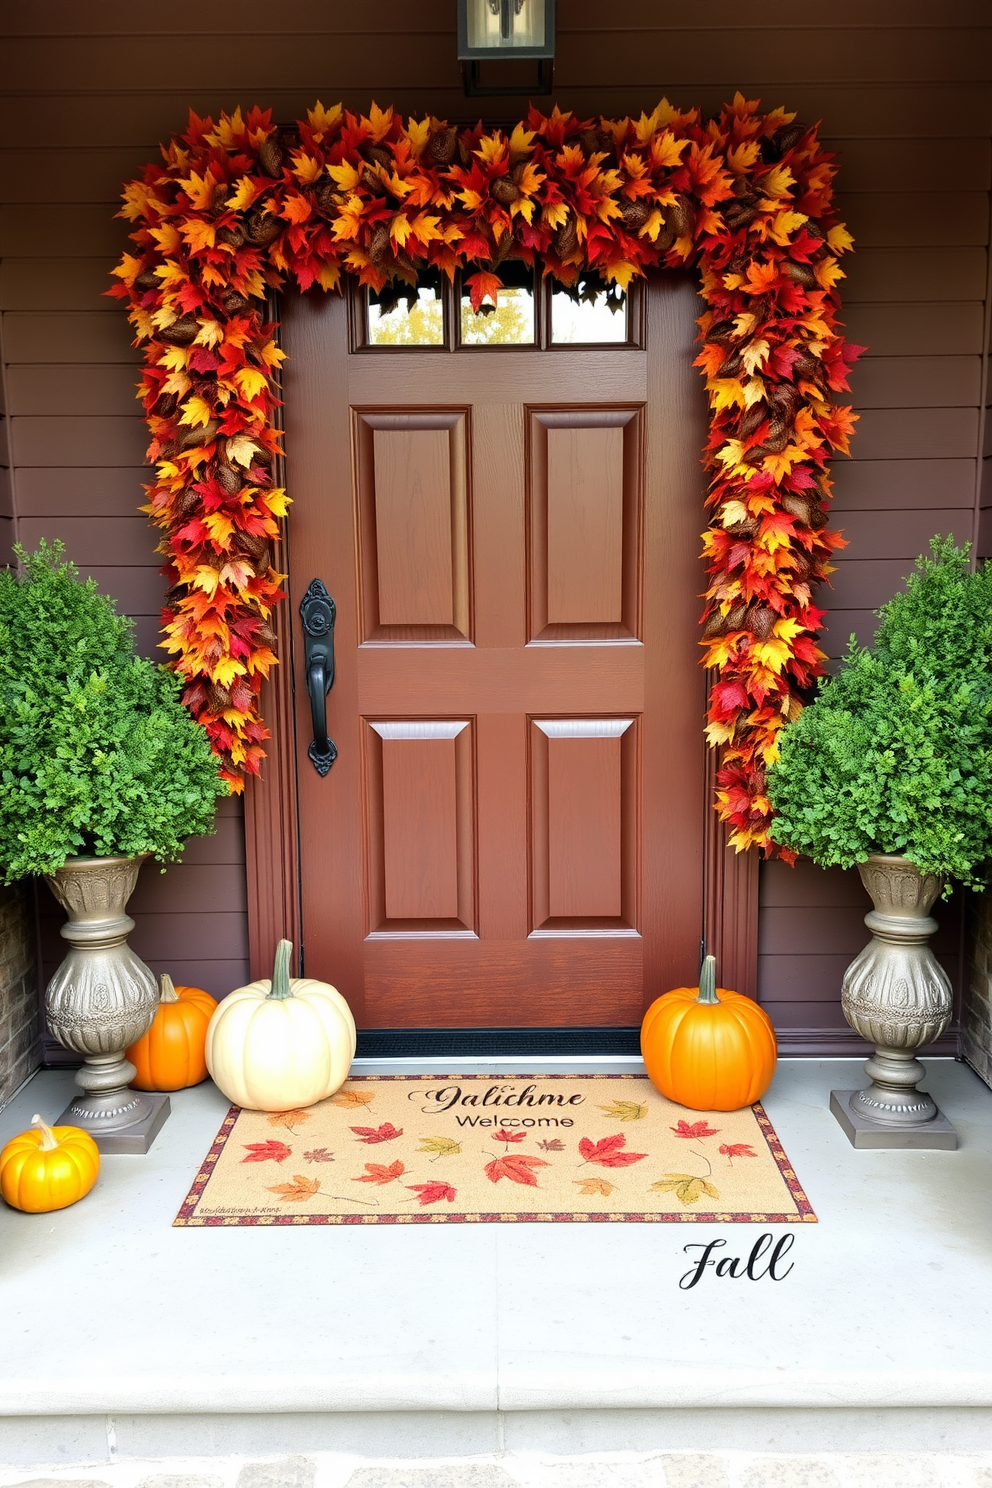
348 1098
288 1118
594 1186
517 1166
380 1173
298 1191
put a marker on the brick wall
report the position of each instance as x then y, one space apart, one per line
976 1012
19 1010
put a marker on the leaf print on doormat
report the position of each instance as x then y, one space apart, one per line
691 1129
298 1191
380 1173
288 1118
686 1188
440 1146
551 1168
387 1132
594 1186
432 1193
607 1153
517 1166
625 1110
270 1151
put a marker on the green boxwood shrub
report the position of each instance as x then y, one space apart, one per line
894 755
97 754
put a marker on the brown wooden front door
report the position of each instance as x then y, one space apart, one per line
512 832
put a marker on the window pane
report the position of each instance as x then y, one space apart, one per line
511 323
401 315
588 311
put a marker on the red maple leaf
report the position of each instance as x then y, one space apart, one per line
387 1132
505 1136
737 1149
517 1166
379 1173
695 1129
433 1193
606 1152
267 1151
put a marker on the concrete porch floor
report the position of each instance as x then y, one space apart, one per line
126 1340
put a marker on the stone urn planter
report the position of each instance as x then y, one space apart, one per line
101 999
898 997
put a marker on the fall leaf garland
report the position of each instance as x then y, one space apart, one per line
241 207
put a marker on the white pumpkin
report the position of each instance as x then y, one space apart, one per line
275 1045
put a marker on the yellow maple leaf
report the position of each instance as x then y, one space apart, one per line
733 512
251 381
726 392
441 1146
306 168
784 224
199 234
380 121
755 354
241 450
521 142
417 133
839 238
196 412
346 176
777 182
220 527
772 654
321 119
211 333
625 1110
224 671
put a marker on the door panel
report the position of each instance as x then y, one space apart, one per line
512 832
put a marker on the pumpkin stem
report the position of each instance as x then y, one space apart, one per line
707 982
166 988
49 1141
280 971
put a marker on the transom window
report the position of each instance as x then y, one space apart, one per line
532 314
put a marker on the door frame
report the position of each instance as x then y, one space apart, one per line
272 845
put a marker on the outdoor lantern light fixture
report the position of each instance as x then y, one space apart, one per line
506 30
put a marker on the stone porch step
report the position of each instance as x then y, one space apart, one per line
125 1339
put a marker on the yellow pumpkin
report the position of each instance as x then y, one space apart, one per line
169 1055
281 1043
708 1048
48 1168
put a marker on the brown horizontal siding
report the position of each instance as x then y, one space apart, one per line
904 93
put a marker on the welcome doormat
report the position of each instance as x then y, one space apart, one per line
484 1149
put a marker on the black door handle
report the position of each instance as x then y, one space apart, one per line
317 612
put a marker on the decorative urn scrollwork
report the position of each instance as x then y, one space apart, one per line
102 998
896 994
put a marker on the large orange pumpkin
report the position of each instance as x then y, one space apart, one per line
707 1048
48 1168
170 1055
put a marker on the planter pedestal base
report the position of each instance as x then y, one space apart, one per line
135 1138
938 1134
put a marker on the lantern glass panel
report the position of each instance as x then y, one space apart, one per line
507 25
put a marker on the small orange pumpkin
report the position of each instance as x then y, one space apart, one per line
707 1048
48 1168
170 1055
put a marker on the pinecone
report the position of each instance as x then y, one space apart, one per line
270 157
187 502
735 616
148 279
681 216
566 238
731 366
182 332
801 566
378 246
800 273
751 419
782 141
218 697
326 195
806 366
380 155
634 214
193 438
738 214
166 405
233 302
715 626
595 141
256 547
174 595
760 621
260 229
503 190
442 145
232 236
777 437
265 634
228 479
747 528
